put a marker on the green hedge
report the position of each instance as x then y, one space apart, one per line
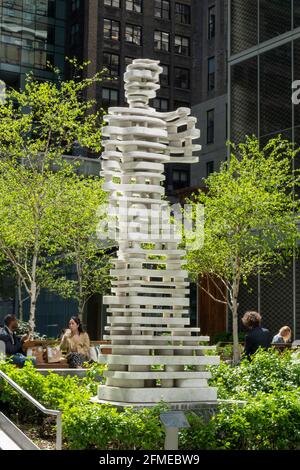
103 427
267 372
53 391
266 422
85 425
269 420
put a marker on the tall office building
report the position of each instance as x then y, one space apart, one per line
209 105
32 33
261 41
210 86
263 61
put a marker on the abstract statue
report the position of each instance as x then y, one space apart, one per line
149 304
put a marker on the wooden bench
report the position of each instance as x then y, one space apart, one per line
62 364
53 365
65 372
44 364
282 346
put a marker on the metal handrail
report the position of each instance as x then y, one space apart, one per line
38 405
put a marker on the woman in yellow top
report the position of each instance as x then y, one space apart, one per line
76 343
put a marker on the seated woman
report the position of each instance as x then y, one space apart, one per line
76 343
284 336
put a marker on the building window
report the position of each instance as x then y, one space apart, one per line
182 45
210 130
40 59
181 78
182 13
112 63
162 9
181 104
161 104
111 29
110 97
209 168
128 61
52 7
10 53
180 179
133 34
112 3
50 59
211 74
164 76
51 34
134 5
211 22
75 4
27 56
161 41
74 34
39 8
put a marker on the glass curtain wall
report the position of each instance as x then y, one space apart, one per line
31 35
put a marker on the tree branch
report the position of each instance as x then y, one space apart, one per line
226 283
212 296
210 278
18 267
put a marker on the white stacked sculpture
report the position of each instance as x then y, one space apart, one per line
149 305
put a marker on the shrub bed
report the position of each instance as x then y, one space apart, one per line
266 422
267 372
270 384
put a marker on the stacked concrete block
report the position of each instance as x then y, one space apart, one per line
155 355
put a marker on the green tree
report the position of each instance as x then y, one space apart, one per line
11 284
250 223
29 224
38 125
83 248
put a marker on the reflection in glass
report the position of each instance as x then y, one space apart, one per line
27 56
29 32
10 54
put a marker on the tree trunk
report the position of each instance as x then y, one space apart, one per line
81 305
235 333
235 329
33 299
33 293
81 300
20 300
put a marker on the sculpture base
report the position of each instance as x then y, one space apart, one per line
201 406
155 395
184 406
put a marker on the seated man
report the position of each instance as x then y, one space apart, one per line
14 344
257 337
